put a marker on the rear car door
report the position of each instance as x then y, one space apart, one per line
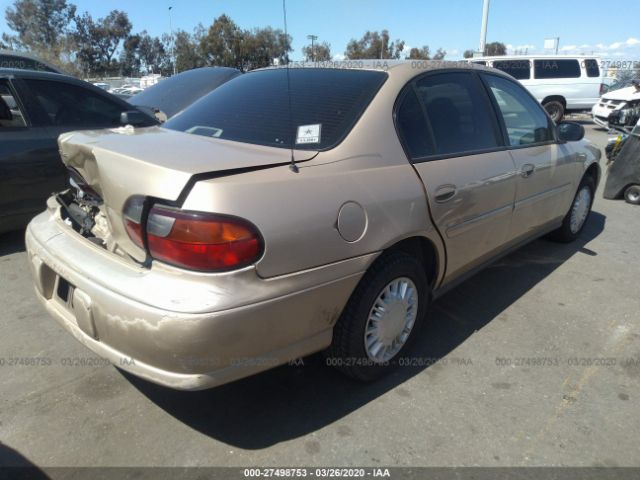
450 133
546 169
30 168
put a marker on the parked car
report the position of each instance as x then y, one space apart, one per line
615 101
562 84
293 211
35 108
179 91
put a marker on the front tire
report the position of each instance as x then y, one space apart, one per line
577 216
632 195
555 109
381 318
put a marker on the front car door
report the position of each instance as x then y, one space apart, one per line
449 131
546 169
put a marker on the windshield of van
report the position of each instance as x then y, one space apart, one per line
254 107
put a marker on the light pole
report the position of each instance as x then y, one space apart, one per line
313 38
173 58
483 29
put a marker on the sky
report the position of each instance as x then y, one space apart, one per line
584 26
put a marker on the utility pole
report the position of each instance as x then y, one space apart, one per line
173 58
313 38
483 29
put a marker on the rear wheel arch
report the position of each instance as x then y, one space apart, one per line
425 251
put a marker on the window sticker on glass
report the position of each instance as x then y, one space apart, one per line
308 134
205 131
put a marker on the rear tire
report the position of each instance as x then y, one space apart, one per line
555 109
578 214
632 195
381 318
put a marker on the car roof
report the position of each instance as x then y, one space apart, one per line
402 70
37 74
28 56
535 57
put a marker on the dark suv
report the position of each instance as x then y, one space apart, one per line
35 108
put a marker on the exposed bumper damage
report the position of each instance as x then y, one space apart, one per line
200 332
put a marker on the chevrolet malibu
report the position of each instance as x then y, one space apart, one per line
303 210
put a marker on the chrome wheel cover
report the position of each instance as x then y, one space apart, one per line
391 320
580 209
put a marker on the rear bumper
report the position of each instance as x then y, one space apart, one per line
230 326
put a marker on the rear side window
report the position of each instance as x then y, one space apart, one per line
592 68
557 68
67 104
524 119
11 115
518 69
412 126
458 112
254 107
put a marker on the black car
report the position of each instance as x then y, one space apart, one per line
35 108
171 96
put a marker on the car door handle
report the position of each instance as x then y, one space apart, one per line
527 170
445 193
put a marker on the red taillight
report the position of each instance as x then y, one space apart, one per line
201 241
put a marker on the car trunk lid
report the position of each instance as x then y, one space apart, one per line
157 163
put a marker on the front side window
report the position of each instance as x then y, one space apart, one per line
304 108
524 119
72 105
552 68
11 115
518 69
458 112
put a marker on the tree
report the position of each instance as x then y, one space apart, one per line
468 54
439 55
374 45
424 53
221 45
98 41
40 24
321 52
495 49
263 47
186 51
152 53
420 53
129 59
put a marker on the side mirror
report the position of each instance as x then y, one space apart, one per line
135 118
570 132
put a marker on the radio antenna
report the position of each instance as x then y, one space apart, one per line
292 166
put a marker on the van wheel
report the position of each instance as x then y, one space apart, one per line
576 218
555 109
632 195
381 318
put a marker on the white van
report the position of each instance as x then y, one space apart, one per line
561 83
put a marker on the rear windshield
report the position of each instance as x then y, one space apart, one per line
553 68
254 107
